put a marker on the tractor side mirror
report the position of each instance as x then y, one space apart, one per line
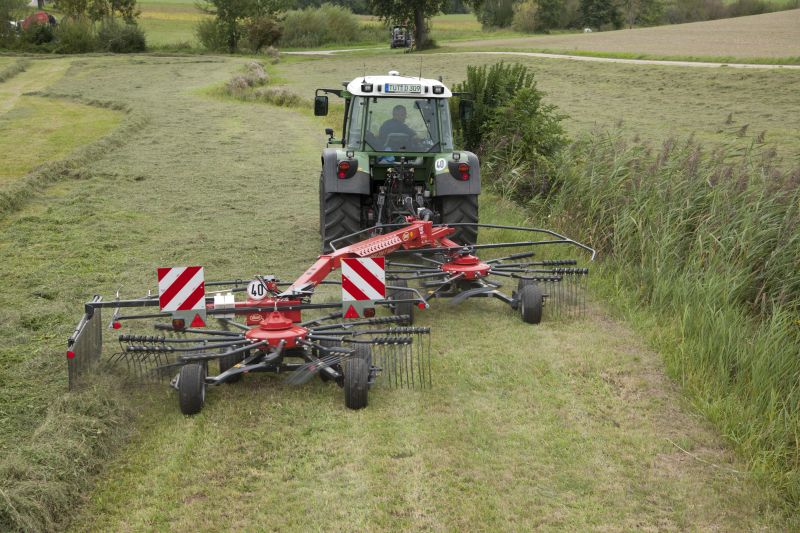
465 110
320 105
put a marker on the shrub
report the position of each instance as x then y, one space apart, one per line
490 88
38 34
75 37
261 32
211 35
309 27
526 16
496 13
522 145
120 38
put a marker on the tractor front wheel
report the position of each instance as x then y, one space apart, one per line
461 209
530 304
192 388
356 369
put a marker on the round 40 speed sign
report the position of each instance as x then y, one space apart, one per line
257 290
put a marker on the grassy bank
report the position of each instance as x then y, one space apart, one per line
701 248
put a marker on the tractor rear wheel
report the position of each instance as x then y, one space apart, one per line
339 215
459 209
192 388
356 370
401 308
530 303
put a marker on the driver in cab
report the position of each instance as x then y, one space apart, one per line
396 126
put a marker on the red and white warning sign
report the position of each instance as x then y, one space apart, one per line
181 289
363 282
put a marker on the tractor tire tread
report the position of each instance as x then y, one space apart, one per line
461 209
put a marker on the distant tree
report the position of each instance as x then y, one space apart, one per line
643 12
550 14
360 7
494 13
601 13
415 13
455 6
10 10
99 9
229 15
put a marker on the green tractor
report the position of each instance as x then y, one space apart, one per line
395 158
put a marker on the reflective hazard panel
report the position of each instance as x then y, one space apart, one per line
363 283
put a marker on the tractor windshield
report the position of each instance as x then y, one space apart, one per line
400 124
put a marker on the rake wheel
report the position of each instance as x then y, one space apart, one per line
530 303
402 308
228 362
356 370
192 388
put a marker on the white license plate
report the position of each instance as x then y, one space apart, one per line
402 88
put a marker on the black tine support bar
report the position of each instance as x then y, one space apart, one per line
85 345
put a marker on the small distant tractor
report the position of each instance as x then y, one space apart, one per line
395 158
401 37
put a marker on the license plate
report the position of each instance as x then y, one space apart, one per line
401 88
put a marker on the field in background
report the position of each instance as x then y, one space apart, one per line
170 23
654 102
772 35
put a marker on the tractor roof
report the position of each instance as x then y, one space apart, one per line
395 85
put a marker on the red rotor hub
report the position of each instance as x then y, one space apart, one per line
469 265
275 328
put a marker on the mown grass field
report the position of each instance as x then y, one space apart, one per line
34 130
772 35
564 426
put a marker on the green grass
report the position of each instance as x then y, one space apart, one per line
38 130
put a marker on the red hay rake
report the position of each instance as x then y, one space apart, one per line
354 353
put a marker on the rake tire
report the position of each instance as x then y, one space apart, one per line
339 215
228 362
530 303
356 369
461 209
192 388
402 308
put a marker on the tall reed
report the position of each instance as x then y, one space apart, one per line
708 241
